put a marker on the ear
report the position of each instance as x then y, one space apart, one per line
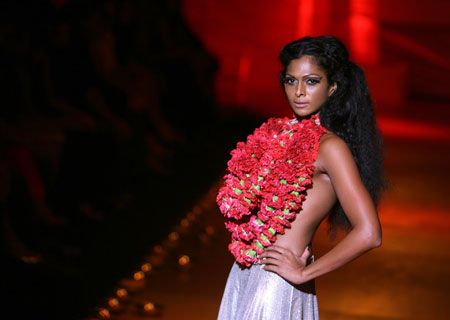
332 89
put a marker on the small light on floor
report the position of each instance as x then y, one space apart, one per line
156 260
158 249
104 313
210 230
146 267
197 210
174 236
150 309
31 259
139 275
191 216
122 293
149 306
184 223
204 238
114 304
184 260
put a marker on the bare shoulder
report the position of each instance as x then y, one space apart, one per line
332 150
331 140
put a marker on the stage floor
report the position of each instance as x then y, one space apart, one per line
408 277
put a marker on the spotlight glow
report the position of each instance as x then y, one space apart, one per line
184 260
139 275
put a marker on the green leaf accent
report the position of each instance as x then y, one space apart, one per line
250 253
282 143
260 178
242 182
257 187
301 179
263 236
248 200
293 204
253 155
271 231
281 217
300 164
270 209
251 192
259 222
258 244
272 162
237 191
289 161
247 175
296 193
274 198
295 185
283 181
286 211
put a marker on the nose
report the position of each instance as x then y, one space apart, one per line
300 89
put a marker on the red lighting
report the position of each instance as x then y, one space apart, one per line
305 18
398 128
243 75
364 31
59 3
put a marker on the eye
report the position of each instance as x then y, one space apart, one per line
290 81
312 81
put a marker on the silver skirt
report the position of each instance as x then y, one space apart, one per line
255 294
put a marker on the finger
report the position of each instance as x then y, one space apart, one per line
306 253
269 261
276 249
270 253
271 268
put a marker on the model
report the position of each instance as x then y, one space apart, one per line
291 174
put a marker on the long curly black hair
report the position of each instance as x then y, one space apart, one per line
348 112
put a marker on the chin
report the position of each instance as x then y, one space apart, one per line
304 113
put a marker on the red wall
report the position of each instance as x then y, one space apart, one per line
246 36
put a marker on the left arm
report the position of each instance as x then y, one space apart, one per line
337 161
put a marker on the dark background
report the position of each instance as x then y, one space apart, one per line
116 115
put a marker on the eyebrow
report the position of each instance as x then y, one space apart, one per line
306 75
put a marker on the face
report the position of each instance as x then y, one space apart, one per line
306 86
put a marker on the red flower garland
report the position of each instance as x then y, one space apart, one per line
266 184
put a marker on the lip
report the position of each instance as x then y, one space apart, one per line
301 104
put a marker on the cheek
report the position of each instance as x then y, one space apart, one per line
289 91
318 93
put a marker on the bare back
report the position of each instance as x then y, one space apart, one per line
319 200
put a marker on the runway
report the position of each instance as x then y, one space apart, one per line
408 277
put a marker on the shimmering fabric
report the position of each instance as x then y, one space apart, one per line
256 294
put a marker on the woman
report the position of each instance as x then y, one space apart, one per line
293 173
